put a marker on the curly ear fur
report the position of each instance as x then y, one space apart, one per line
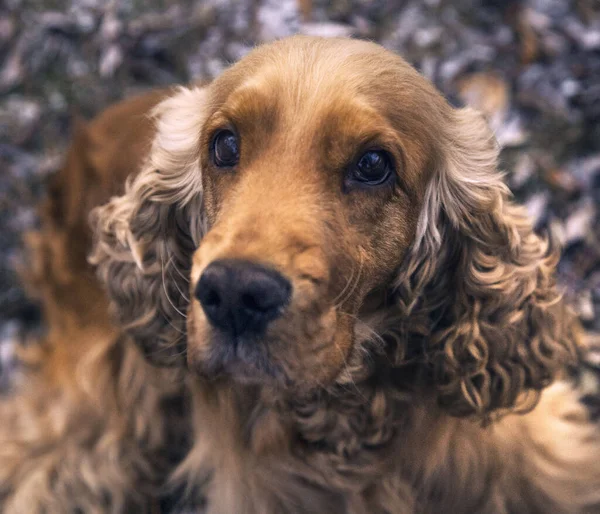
477 291
145 238
483 314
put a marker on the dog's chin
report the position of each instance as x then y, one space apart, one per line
239 359
275 360
249 363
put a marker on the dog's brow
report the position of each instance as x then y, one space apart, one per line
249 92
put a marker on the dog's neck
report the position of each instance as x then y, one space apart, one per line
319 448
337 439
360 410
359 413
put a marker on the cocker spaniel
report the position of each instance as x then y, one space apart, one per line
350 312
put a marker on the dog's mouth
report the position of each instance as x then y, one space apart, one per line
298 351
245 358
254 321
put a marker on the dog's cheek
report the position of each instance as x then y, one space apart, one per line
318 360
342 343
197 336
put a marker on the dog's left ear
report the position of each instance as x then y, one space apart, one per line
144 238
482 312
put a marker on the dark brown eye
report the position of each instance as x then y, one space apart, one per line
226 151
372 168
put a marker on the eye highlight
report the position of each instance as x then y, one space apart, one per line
372 168
225 149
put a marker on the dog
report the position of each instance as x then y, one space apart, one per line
94 427
322 257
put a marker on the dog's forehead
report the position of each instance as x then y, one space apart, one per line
309 84
329 97
306 105
303 78
309 102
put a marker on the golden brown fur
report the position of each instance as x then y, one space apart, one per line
421 364
87 430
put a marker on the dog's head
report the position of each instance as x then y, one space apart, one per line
320 201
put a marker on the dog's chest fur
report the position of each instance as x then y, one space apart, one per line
351 453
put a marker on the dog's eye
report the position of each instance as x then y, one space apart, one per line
373 168
226 151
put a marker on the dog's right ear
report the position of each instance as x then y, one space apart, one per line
145 238
493 330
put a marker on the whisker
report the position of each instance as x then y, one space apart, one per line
375 335
343 292
175 283
166 348
165 286
348 372
354 286
181 274
177 329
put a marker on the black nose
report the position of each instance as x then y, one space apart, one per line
241 297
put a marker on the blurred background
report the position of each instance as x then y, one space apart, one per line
532 66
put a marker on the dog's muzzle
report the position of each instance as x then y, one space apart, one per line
240 298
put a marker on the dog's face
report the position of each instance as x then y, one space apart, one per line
314 165
321 196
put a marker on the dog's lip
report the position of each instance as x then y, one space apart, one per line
246 373
240 357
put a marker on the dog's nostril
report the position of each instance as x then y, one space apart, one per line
212 299
241 297
251 302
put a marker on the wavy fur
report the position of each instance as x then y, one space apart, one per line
467 325
482 282
478 329
145 271
93 428
98 446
